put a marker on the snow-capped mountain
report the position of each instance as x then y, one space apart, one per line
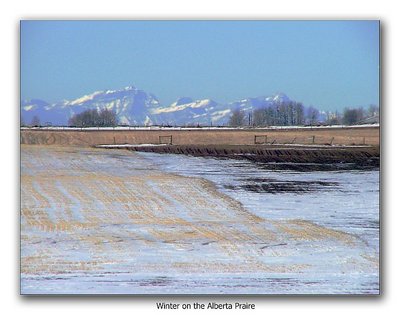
261 101
44 111
136 107
187 111
130 104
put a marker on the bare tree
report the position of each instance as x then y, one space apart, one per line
107 118
298 114
352 116
282 114
334 118
93 118
259 117
312 115
270 117
237 118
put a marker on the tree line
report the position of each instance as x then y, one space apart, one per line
87 118
282 114
94 118
295 114
353 116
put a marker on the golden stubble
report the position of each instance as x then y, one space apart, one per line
79 202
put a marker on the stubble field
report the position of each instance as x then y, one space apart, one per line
194 136
108 221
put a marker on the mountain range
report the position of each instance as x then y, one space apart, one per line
136 107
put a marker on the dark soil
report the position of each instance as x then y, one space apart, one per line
299 158
272 186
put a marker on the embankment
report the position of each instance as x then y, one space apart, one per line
357 146
357 157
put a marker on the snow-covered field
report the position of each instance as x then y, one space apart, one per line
344 200
113 221
200 128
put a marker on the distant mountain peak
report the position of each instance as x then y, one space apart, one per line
130 88
84 98
137 107
279 97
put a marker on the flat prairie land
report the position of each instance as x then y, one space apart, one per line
194 136
109 221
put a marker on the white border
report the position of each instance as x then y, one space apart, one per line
13 11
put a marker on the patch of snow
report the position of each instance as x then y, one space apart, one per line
126 145
221 113
29 107
202 103
199 115
175 108
85 98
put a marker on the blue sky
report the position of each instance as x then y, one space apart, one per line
327 64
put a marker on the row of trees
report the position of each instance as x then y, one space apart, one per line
283 114
295 114
94 118
353 116
88 118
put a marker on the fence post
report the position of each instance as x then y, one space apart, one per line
265 137
160 139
